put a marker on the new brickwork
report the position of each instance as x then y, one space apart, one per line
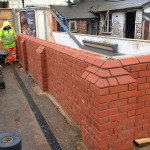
109 100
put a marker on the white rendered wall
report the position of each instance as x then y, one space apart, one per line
118 24
125 46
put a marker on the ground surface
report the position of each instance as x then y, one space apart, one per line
17 116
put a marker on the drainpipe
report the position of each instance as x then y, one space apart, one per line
23 3
45 25
15 21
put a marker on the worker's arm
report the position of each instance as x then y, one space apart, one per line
1 35
15 36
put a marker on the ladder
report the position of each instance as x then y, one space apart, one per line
64 21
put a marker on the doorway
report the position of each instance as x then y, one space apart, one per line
130 25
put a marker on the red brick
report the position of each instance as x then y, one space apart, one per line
127 146
104 99
129 61
98 91
142 122
117 143
103 134
100 106
134 75
143 86
92 78
85 83
75 54
125 79
103 147
147 104
127 94
92 69
141 134
131 113
141 80
103 120
108 112
118 89
82 57
125 134
143 98
147 91
138 67
85 74
108 139
117 116
90 59
103 73
146 127
111 131
133 86
131 100
138 117
118 72
130 126
99 62
118 130
111 64
148 66
117 103
130 139
144 73
142 110
147 115
102 83
139 129
127 68
127 107
112 81
143 59
107 126
126 121
141 93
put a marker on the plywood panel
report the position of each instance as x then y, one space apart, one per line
6 15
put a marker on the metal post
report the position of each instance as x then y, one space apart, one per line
15 21
45 25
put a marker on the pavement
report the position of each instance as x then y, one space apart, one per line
17 116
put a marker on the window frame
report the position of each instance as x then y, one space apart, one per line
107 24
73 21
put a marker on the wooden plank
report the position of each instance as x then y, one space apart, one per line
104 22
6 15
142 142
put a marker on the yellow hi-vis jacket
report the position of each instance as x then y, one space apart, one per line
8 37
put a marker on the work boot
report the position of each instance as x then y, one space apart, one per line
7 63
16 61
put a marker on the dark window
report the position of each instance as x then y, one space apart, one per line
108 23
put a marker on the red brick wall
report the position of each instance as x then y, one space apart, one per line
82 26
146 30
109 100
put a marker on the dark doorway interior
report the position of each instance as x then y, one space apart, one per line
130 25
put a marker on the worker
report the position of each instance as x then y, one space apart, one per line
8 38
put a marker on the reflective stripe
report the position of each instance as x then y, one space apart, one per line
3 32
9 57
8 39
8 36
6 42
13 53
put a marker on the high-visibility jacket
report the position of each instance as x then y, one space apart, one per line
8 37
